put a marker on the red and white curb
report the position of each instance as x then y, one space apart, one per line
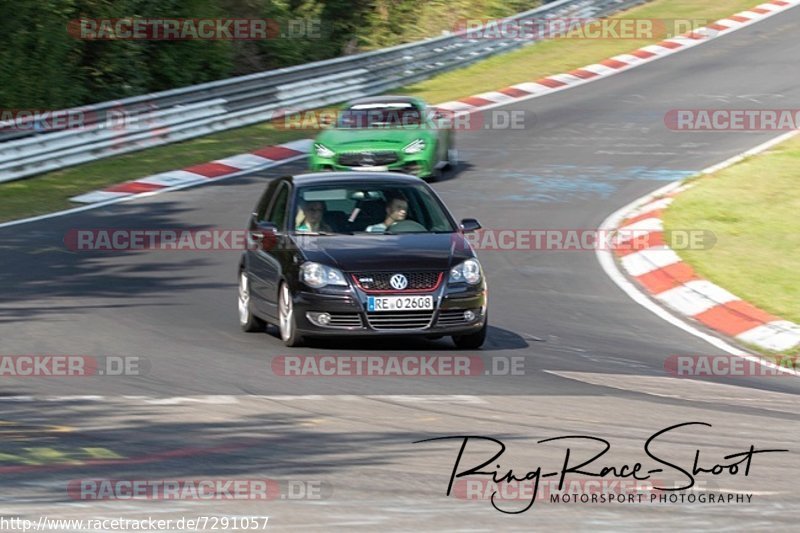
260 159
274 155
673 283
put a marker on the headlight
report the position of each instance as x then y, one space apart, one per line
317 276
323 151
469 271
415 147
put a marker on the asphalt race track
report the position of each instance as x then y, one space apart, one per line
211 406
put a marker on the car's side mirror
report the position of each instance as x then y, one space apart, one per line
469 225
263 236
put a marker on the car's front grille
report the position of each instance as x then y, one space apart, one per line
400 320
345 320
379 281
455 317
367 159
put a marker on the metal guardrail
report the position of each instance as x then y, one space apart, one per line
170 116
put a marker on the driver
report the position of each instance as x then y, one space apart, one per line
396 210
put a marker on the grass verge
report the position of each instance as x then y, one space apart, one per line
51 191
752 208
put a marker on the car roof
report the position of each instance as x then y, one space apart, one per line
386 99
351 176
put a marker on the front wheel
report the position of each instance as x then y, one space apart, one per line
473 340
247 320
286 322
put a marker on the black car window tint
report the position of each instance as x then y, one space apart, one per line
263 202
417 210
435 219
277 214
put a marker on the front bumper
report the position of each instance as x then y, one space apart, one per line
348 309
417 165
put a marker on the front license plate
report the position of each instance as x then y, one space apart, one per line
373 169
399 303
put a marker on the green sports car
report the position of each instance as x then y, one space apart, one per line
386 133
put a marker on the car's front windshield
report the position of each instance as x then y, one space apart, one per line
387 114
369 208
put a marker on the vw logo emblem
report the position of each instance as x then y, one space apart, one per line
398 281
367 159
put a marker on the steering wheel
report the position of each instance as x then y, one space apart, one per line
406 226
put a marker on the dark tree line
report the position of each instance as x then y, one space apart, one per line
43 65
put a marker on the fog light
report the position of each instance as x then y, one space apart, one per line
319 319
469 316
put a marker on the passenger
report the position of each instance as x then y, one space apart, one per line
311 217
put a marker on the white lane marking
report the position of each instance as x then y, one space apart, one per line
599 69
753 151
531 87
656 49
778 335
652 206
645 225
243 161
300 145
628 58
98 196
569 79
648 260
690 389
171 178
695 297
455 106
494 96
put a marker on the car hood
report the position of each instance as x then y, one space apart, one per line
371 138
352 253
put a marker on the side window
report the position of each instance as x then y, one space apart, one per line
263 203
277 212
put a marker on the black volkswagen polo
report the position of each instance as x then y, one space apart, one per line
354 254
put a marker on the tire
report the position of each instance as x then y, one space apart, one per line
472 341
435 176
247 320
286 322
